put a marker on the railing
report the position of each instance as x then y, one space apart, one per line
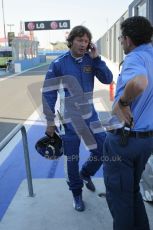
7 139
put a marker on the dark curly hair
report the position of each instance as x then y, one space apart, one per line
138 28
78 31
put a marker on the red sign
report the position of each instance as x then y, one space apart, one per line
53 25
31 26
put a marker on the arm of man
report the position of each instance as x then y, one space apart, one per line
134 88
49 98
101 71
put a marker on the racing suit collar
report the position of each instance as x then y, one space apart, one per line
77 60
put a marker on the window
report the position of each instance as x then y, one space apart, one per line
142 9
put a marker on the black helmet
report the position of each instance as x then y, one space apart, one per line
50 147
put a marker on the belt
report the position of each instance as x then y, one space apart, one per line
135 134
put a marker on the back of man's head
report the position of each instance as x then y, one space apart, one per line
138 28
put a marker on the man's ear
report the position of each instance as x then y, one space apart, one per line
129 42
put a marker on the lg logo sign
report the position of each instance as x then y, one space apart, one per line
31 26
54 25
47 25
61 25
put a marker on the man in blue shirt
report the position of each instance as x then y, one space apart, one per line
76 71
133 144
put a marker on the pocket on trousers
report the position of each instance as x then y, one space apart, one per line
127 182
113 182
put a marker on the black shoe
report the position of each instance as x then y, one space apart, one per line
88 182
78 203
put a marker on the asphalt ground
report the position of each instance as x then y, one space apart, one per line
20 96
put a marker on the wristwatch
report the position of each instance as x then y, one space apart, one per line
123 103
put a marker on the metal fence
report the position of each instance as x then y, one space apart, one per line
7 139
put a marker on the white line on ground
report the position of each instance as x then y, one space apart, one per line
17 138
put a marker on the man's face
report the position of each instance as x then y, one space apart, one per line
79 45
123 41
126 44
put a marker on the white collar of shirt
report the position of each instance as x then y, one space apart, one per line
77 60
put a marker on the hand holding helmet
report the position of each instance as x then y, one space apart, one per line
50 147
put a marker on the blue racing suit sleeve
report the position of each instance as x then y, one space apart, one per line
101 71
49 94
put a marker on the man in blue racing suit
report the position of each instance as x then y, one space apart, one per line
75 71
